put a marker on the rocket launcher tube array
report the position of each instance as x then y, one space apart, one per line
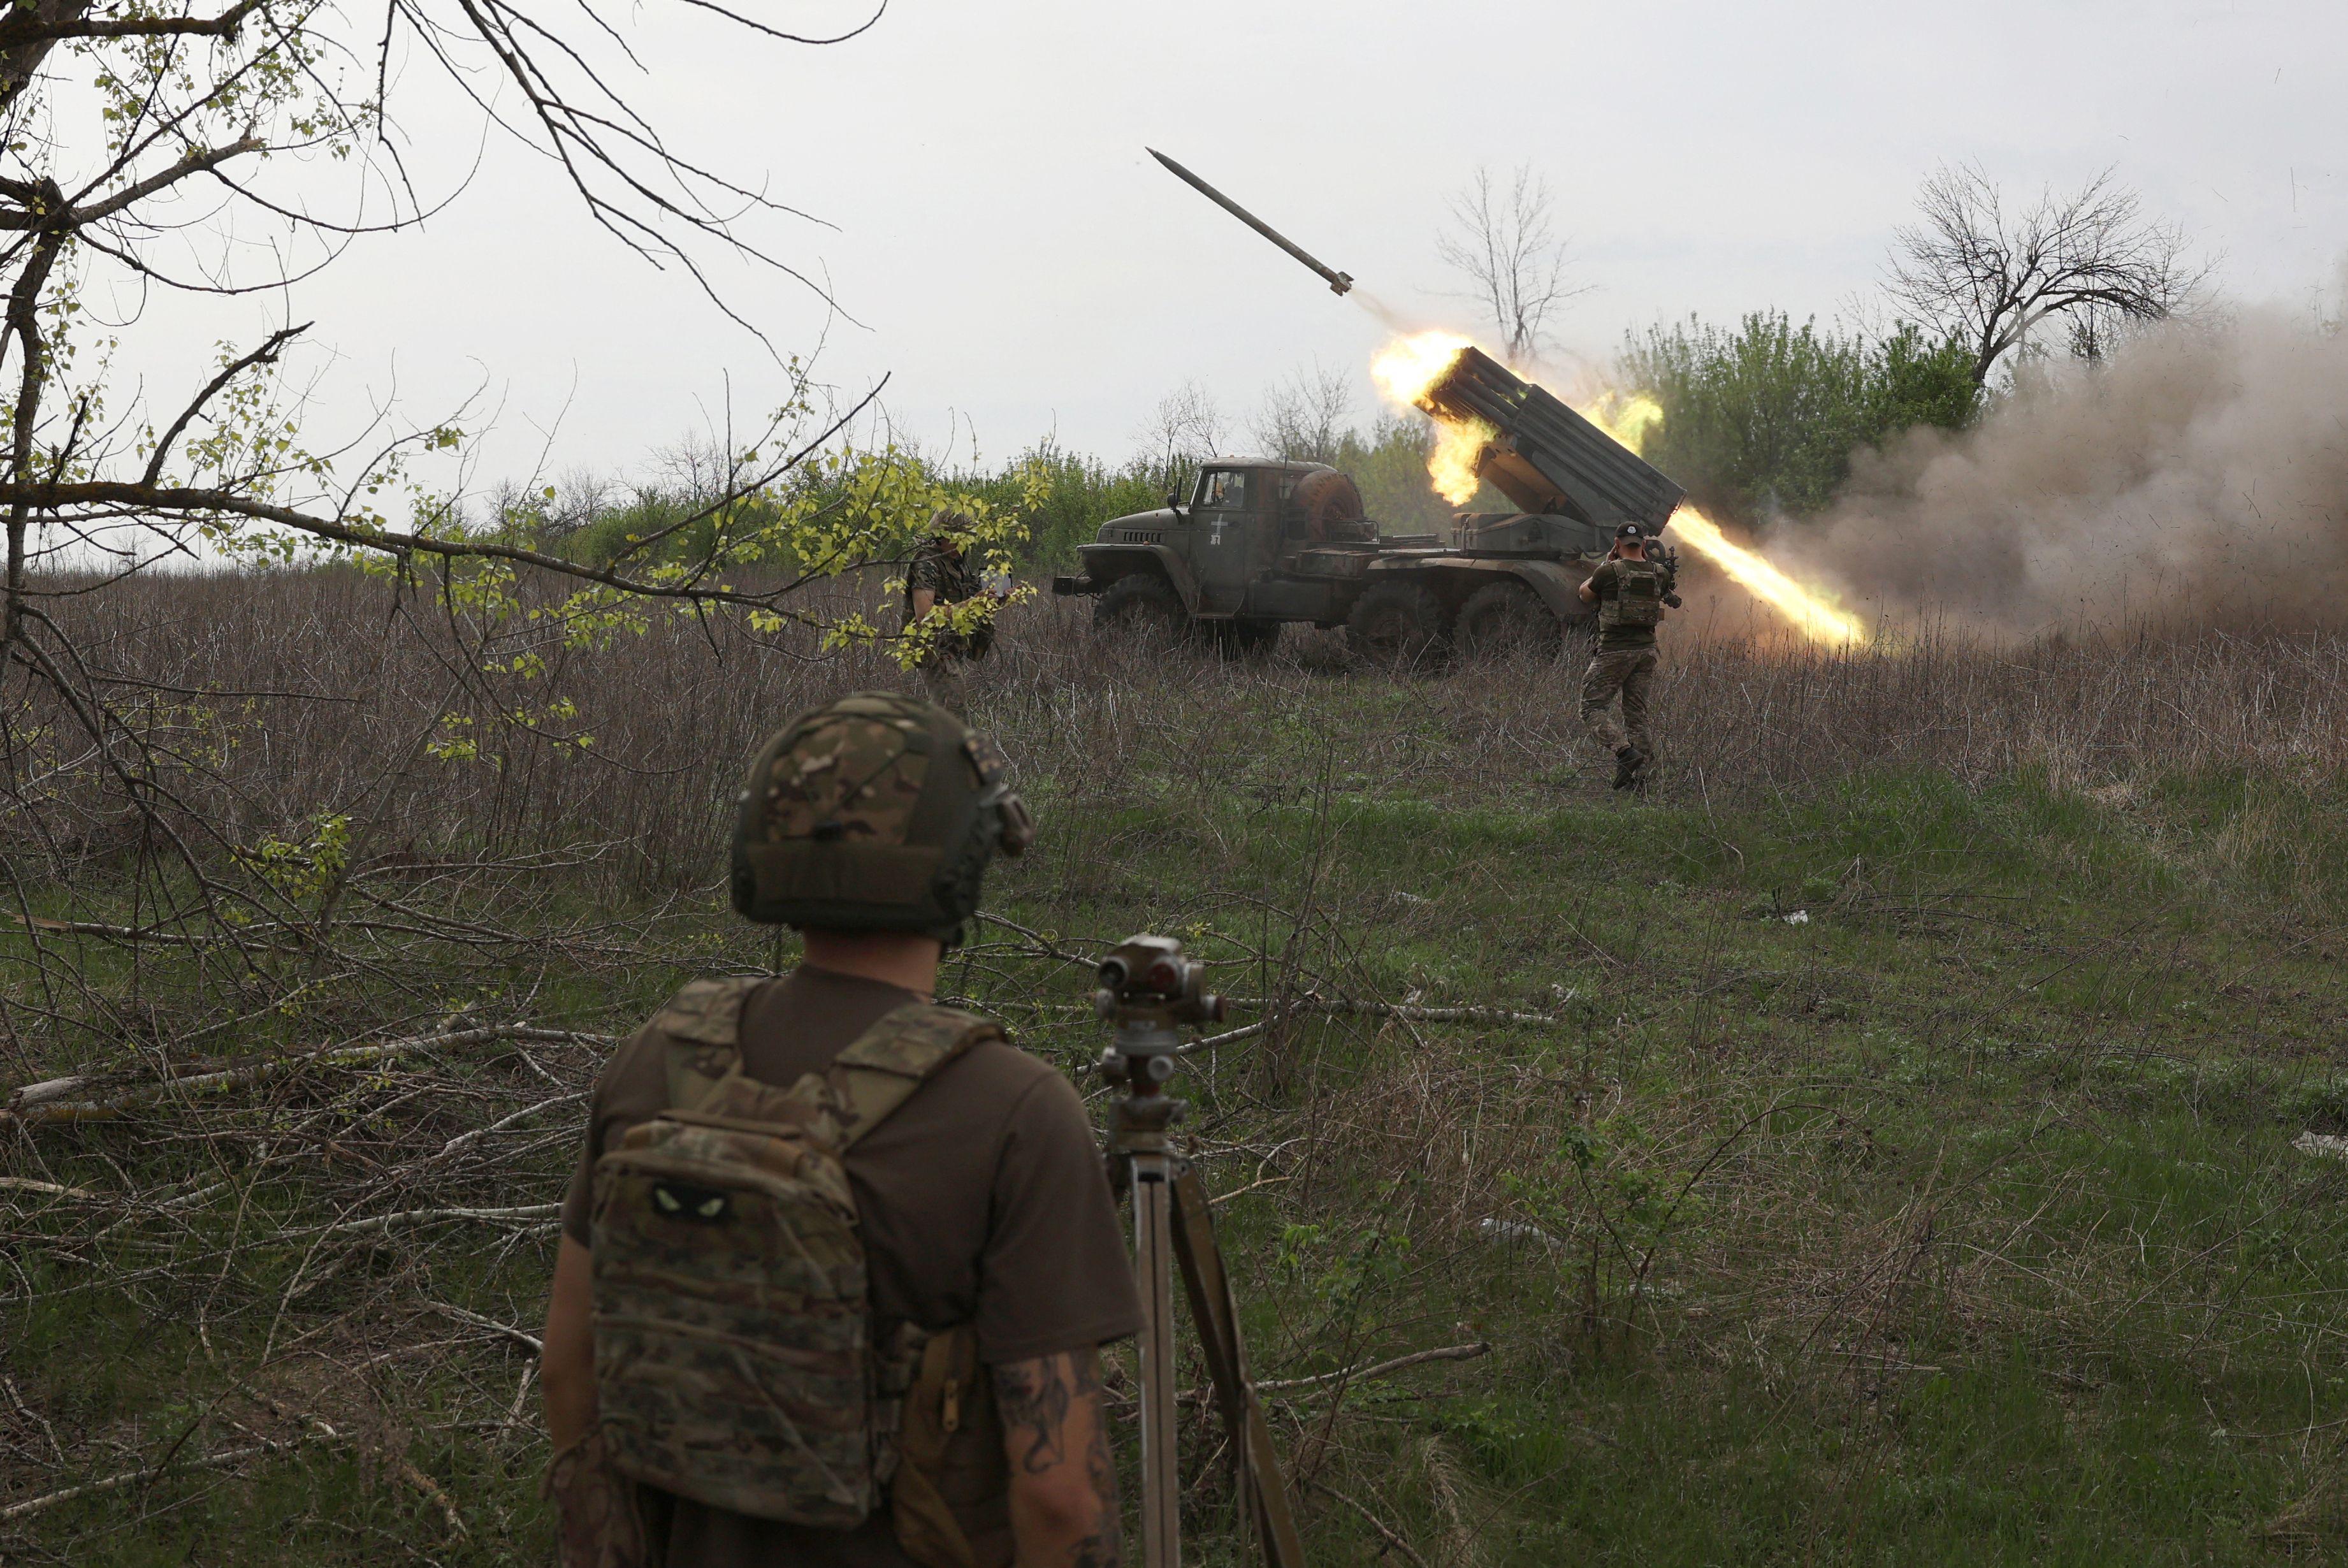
1551 458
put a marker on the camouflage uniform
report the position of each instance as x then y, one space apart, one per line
945 570
1629 594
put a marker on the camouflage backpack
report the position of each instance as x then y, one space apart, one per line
737 1361
1638 596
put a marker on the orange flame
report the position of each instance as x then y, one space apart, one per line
1404 372
1629 418
1808 610
1409 365
1458 458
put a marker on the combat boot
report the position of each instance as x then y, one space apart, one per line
1628 760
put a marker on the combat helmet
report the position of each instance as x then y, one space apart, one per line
874 812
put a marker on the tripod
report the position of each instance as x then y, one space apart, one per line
1148 987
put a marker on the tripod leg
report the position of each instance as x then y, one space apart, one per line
1161 1484
1263 1489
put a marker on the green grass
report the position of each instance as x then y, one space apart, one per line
1957 1222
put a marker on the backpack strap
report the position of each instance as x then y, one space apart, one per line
883 1066
701 1030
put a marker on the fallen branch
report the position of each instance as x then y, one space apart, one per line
1410 1010
1357 1373
409 1472
41 1104
1380 1369
527 1341
242 935
386 1224
1310 1002
48 1188
1347 1006
132 1478
524 1114
1380 1525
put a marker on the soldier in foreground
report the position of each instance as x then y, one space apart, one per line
940 577
1630 592
836 1260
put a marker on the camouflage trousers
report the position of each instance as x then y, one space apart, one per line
596 1522
1626 673
952 651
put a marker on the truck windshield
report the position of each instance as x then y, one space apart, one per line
1223 489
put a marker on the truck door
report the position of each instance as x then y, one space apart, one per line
1233 521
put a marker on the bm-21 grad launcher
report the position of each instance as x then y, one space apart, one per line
1556 465
1261 542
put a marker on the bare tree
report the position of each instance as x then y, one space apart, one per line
1504 242
1306 418
236 152
1989 278
1186 429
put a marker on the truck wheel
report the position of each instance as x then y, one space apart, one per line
1396 624
1328 506
1142 601
1505 621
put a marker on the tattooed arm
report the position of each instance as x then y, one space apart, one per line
1063 1507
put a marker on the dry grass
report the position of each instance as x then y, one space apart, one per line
672 712
1789 1238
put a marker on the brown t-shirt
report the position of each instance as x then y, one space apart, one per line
982 1199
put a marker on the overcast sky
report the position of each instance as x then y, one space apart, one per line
1017 265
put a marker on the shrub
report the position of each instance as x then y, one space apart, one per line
1765 417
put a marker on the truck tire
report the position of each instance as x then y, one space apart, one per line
1506 620
1396 624
1325 504
1138 601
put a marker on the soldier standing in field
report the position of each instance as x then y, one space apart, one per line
836 1260
940 577
1630 592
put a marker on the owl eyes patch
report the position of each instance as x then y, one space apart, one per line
696 1205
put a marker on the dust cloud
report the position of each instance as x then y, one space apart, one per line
2199 477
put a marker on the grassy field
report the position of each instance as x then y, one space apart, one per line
1892 1158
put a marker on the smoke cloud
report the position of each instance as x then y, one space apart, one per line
2199 476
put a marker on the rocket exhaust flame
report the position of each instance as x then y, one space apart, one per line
1457 458
1811 615
1404 372
1410 367
1630 419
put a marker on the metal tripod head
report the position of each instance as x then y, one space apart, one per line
1148 988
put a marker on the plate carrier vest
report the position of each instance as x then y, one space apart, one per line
737 1360
1638 596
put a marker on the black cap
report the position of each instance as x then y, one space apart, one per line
1630 531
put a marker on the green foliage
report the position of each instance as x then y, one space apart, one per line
1041 504
1388 463
1765 417
1066 496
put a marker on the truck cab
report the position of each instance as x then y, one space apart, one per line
1227 546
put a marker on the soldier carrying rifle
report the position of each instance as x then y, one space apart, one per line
836 1260
1630 590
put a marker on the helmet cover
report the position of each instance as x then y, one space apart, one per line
874 812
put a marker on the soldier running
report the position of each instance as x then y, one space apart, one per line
836 1260
1630 592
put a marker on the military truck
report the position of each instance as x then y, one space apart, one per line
1260 543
